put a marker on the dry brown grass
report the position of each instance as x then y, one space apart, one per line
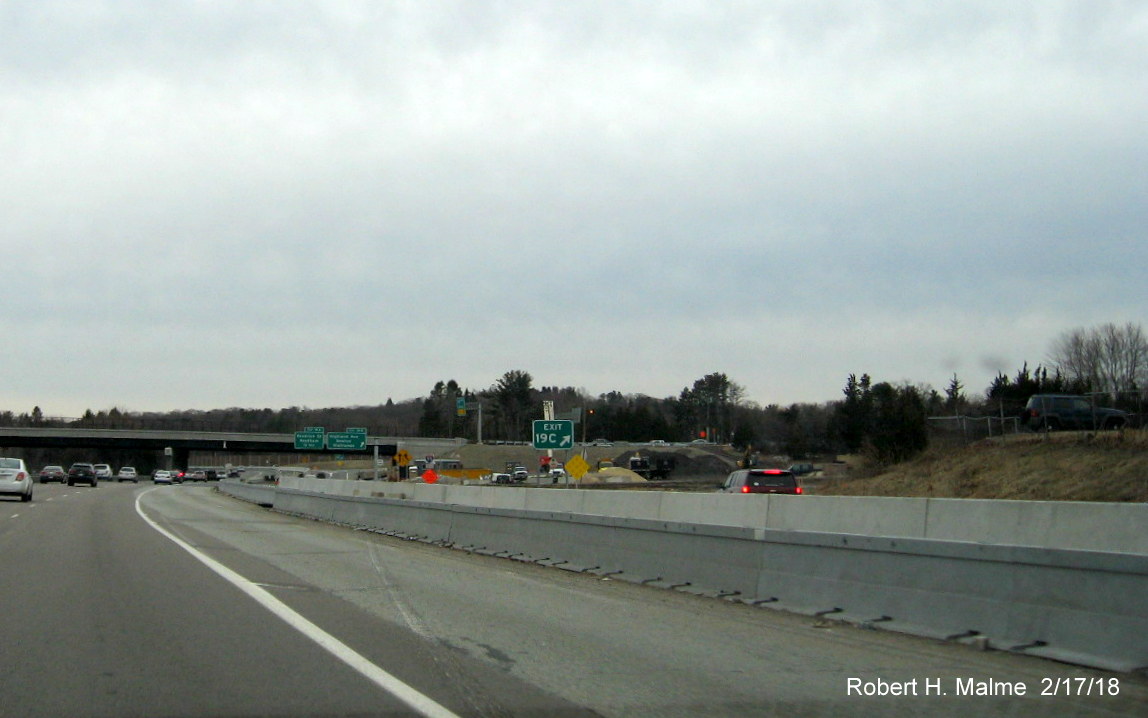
1070 466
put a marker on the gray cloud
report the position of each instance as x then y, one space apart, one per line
613 196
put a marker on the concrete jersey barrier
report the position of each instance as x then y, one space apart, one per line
1086 526
1083 607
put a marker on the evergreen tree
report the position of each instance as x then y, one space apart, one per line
852 417
954 396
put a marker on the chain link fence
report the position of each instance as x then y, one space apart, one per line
960 430
967 429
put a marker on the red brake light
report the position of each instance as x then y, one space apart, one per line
772 471
745 489
799 490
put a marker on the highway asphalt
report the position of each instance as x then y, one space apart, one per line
130 600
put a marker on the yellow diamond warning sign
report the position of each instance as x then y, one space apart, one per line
576 466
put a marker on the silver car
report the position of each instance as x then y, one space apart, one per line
15 479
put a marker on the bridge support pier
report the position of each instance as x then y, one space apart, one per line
180 457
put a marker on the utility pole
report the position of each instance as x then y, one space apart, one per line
476 406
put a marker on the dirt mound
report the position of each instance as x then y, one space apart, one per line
613 475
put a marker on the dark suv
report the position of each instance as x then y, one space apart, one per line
81 473
1067 411
761 481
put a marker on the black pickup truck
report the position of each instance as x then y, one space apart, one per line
81 473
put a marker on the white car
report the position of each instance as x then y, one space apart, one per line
128 473
103 471
15 479
162 477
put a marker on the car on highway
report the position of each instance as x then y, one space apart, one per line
162 476
761 481
1053 412
128 473
520 474
103 471
196 475
82 472
53 473
15 479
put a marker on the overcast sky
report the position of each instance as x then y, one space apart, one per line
272 204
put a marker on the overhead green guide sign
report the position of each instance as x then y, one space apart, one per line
347 441
310 439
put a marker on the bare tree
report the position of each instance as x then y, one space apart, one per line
1110 358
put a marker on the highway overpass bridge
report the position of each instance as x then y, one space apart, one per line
181 443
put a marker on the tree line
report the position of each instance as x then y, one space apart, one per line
885 420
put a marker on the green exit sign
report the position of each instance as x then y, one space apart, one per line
553 434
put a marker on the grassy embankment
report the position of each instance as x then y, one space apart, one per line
1069 466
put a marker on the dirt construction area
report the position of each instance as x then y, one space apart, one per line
700 465
1062 466
690 462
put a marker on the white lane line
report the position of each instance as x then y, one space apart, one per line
417 701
